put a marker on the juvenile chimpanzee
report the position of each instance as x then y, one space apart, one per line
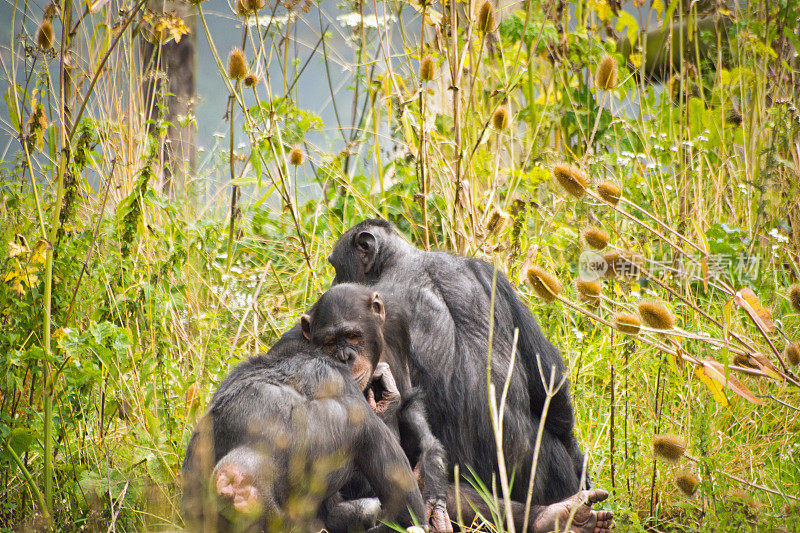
352 324
448 301
284 432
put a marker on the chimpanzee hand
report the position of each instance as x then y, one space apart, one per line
388 401
437 516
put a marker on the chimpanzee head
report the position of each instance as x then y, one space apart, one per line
362 252
347 323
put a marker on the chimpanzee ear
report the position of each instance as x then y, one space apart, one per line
376 304
367 245
305 326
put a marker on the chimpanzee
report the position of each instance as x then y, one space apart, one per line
352 324
339 323
284 432
448 301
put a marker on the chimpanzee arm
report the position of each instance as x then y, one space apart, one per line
382 461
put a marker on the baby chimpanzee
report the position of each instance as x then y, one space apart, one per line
351 324
283 434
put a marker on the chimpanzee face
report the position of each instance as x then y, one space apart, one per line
347 324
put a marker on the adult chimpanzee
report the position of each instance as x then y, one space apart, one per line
349 321
284 432
448 300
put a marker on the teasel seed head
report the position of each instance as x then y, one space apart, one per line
237 65
500 118
545 285
45 35
622 263
571 179
497 220
792 353
687 482
595 237
589 291
296 156
669 447
627 323
656 315
606 76
250 80
426 68
609 192
486 20
794 297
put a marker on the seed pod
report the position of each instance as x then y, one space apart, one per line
794 297
622 263
237 66
595 237
545 285
250 80
627 323
497 221
571 179
253 5
486 20
296 156
792 353
656 315
589 291
609 192
45 35
606 76
669 447
687 482
500 118
426 68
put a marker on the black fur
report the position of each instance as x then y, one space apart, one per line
448 298
285 415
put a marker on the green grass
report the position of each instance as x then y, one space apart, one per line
154 299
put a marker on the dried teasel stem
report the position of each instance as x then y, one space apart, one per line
792 353
45 35
609 191
589 291
297 157
500 118
237 65
426 69
606 76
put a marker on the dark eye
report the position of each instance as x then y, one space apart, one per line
352 337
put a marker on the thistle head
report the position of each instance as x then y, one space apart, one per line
622 263
486 18
687 482
606 76
571 179
609 192
45 35
237 65
296 156
426 68
497 220
500 118
656 315
595 237
792 353
589 291
250 80
794 297
669 447
545 285
627 323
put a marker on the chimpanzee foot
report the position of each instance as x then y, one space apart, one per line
437 516
234 488
584 520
